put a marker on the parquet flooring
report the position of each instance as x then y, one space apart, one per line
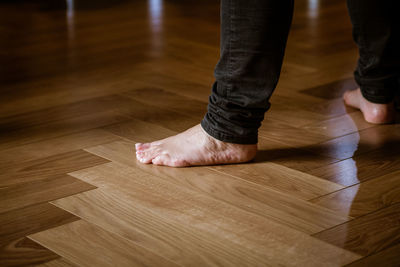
81 84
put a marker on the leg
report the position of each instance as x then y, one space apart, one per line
253 39
376 32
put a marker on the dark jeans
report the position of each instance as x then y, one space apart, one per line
253 40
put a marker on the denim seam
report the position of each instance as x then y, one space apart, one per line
230 63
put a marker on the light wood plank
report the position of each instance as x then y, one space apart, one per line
126 216
367 234
87 245
364 198
192 209
361 168
263 201
339 126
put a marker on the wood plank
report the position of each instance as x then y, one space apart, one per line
18 155
124 215
293 111
280 178
295 158
59 128
355 144
48 167
138 131
61 112
168 100
44 190
60 262
364 198
192 209
264 201
24 252
19 223
360 168
88 245
190 89
367 234
388 258
332 90
15 249
339 126
297 137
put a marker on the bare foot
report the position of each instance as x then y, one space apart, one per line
193 147
373 113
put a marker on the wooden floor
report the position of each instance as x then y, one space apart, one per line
81 84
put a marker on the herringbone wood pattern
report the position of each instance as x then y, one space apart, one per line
81 84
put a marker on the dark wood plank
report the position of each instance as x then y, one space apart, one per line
61 113
25 252
287 134
169 100
48 167
15 248
16 156
331 90
291 157
367 234
388 258
39 191
59 128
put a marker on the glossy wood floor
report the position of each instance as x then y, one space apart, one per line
82 81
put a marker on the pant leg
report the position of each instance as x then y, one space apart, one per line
376 32
253 40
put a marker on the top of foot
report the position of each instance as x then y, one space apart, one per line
191 148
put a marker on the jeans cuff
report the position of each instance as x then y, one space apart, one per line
377 99
243 140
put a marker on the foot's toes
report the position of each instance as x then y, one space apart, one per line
140 146
157 161
352 98
146 156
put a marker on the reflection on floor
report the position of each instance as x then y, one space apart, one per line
82 81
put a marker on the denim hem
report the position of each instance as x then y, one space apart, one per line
377 99
243 140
